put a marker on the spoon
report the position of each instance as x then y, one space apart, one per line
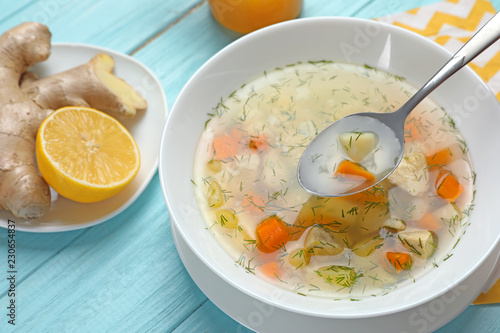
389 127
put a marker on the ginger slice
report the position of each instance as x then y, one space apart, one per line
90 85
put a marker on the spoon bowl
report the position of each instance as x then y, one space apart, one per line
316 170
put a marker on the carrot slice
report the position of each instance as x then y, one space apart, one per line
253 203
375 194
429 222
258 143
400 261
272 233
439 158
270 269
348 168
448 187
414 130
226 145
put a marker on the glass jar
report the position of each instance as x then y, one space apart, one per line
245 16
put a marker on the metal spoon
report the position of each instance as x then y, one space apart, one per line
388 126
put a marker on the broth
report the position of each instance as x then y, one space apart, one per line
350 247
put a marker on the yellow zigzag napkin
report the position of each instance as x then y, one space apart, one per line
451 23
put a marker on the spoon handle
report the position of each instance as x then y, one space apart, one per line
481 40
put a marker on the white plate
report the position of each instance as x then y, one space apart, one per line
145 127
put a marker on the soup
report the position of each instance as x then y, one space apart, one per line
349 247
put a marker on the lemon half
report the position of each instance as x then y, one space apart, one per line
86 155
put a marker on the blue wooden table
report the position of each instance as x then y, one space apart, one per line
125 275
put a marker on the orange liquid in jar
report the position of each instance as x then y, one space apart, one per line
245 16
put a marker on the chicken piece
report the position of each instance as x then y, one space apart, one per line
412 174
321 242
338 275
423 243
394 225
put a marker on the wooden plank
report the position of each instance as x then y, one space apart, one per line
120 25
122 275
175 55
13 8
33 251
332 8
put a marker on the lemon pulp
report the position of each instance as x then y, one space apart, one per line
86 155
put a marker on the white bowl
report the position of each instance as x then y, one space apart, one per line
465 97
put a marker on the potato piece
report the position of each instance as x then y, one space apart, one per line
330 212
321 242
394 225
338 275
246 224
226 218
358 144
367 246
348 218
412 173
215 197
299 258
214 165
422 242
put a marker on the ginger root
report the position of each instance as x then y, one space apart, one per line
22 189
24 107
